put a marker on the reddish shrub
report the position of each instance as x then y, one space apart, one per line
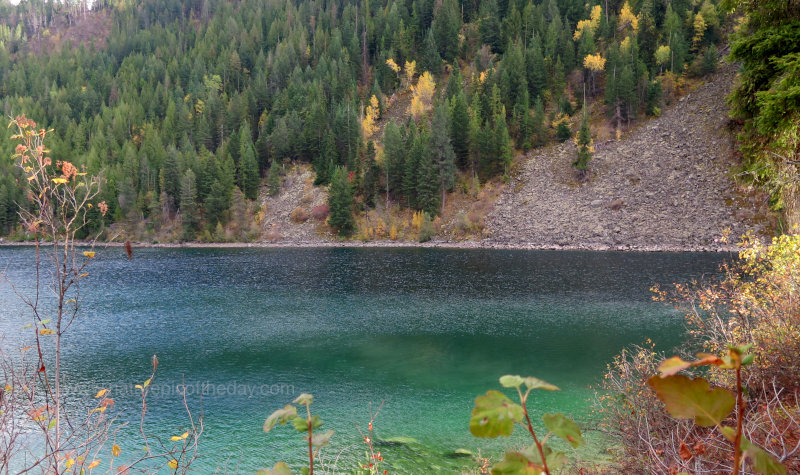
320 212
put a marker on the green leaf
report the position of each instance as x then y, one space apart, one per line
321 439
511 381
761 461
555 460
741 349
514 463
748 359
301 424
494 415
280 468
304 399
565 428
693 399
45 321
281 416
536 383
51 425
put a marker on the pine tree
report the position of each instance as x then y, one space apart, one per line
340 203
459 130
536 72
584 142
393 158
249 178
190 216
490 26
410 170
372 174
430 61
503 150
539 128
427 180
442 151
446 27
274 179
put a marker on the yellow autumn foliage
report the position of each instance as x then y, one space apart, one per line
368 125
410 69
662 55
594 62
625 46
392 65
416 220
589 26
627 18
700 26
422 95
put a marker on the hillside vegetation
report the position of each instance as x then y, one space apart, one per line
185 106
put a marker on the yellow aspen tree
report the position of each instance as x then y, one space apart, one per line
423 95
589 26
368 125
392 65
628 19
662 56
410 69
594 62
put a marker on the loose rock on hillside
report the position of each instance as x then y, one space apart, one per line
298 195
666 185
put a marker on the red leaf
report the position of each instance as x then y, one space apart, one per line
685 453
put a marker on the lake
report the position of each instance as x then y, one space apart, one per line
423 330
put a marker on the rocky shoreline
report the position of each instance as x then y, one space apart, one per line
402 244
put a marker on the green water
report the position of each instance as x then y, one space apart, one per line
425 330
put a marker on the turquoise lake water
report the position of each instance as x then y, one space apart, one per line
424 330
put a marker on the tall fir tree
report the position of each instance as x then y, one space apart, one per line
340 203
190 214
442 150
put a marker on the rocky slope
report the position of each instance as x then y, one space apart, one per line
298 195
665 185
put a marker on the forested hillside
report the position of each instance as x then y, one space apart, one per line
184 107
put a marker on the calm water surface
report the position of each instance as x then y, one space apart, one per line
425 330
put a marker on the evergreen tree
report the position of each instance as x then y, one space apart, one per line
393 157
340 203
539 128
459 130
372 175
274 179
431 61
503 150
581 162
490 26
427 180
446 28
190 216
411 168
442 151
219 198
249 177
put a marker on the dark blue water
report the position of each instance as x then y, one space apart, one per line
425 330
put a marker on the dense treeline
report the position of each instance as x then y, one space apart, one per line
188 104
767 99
